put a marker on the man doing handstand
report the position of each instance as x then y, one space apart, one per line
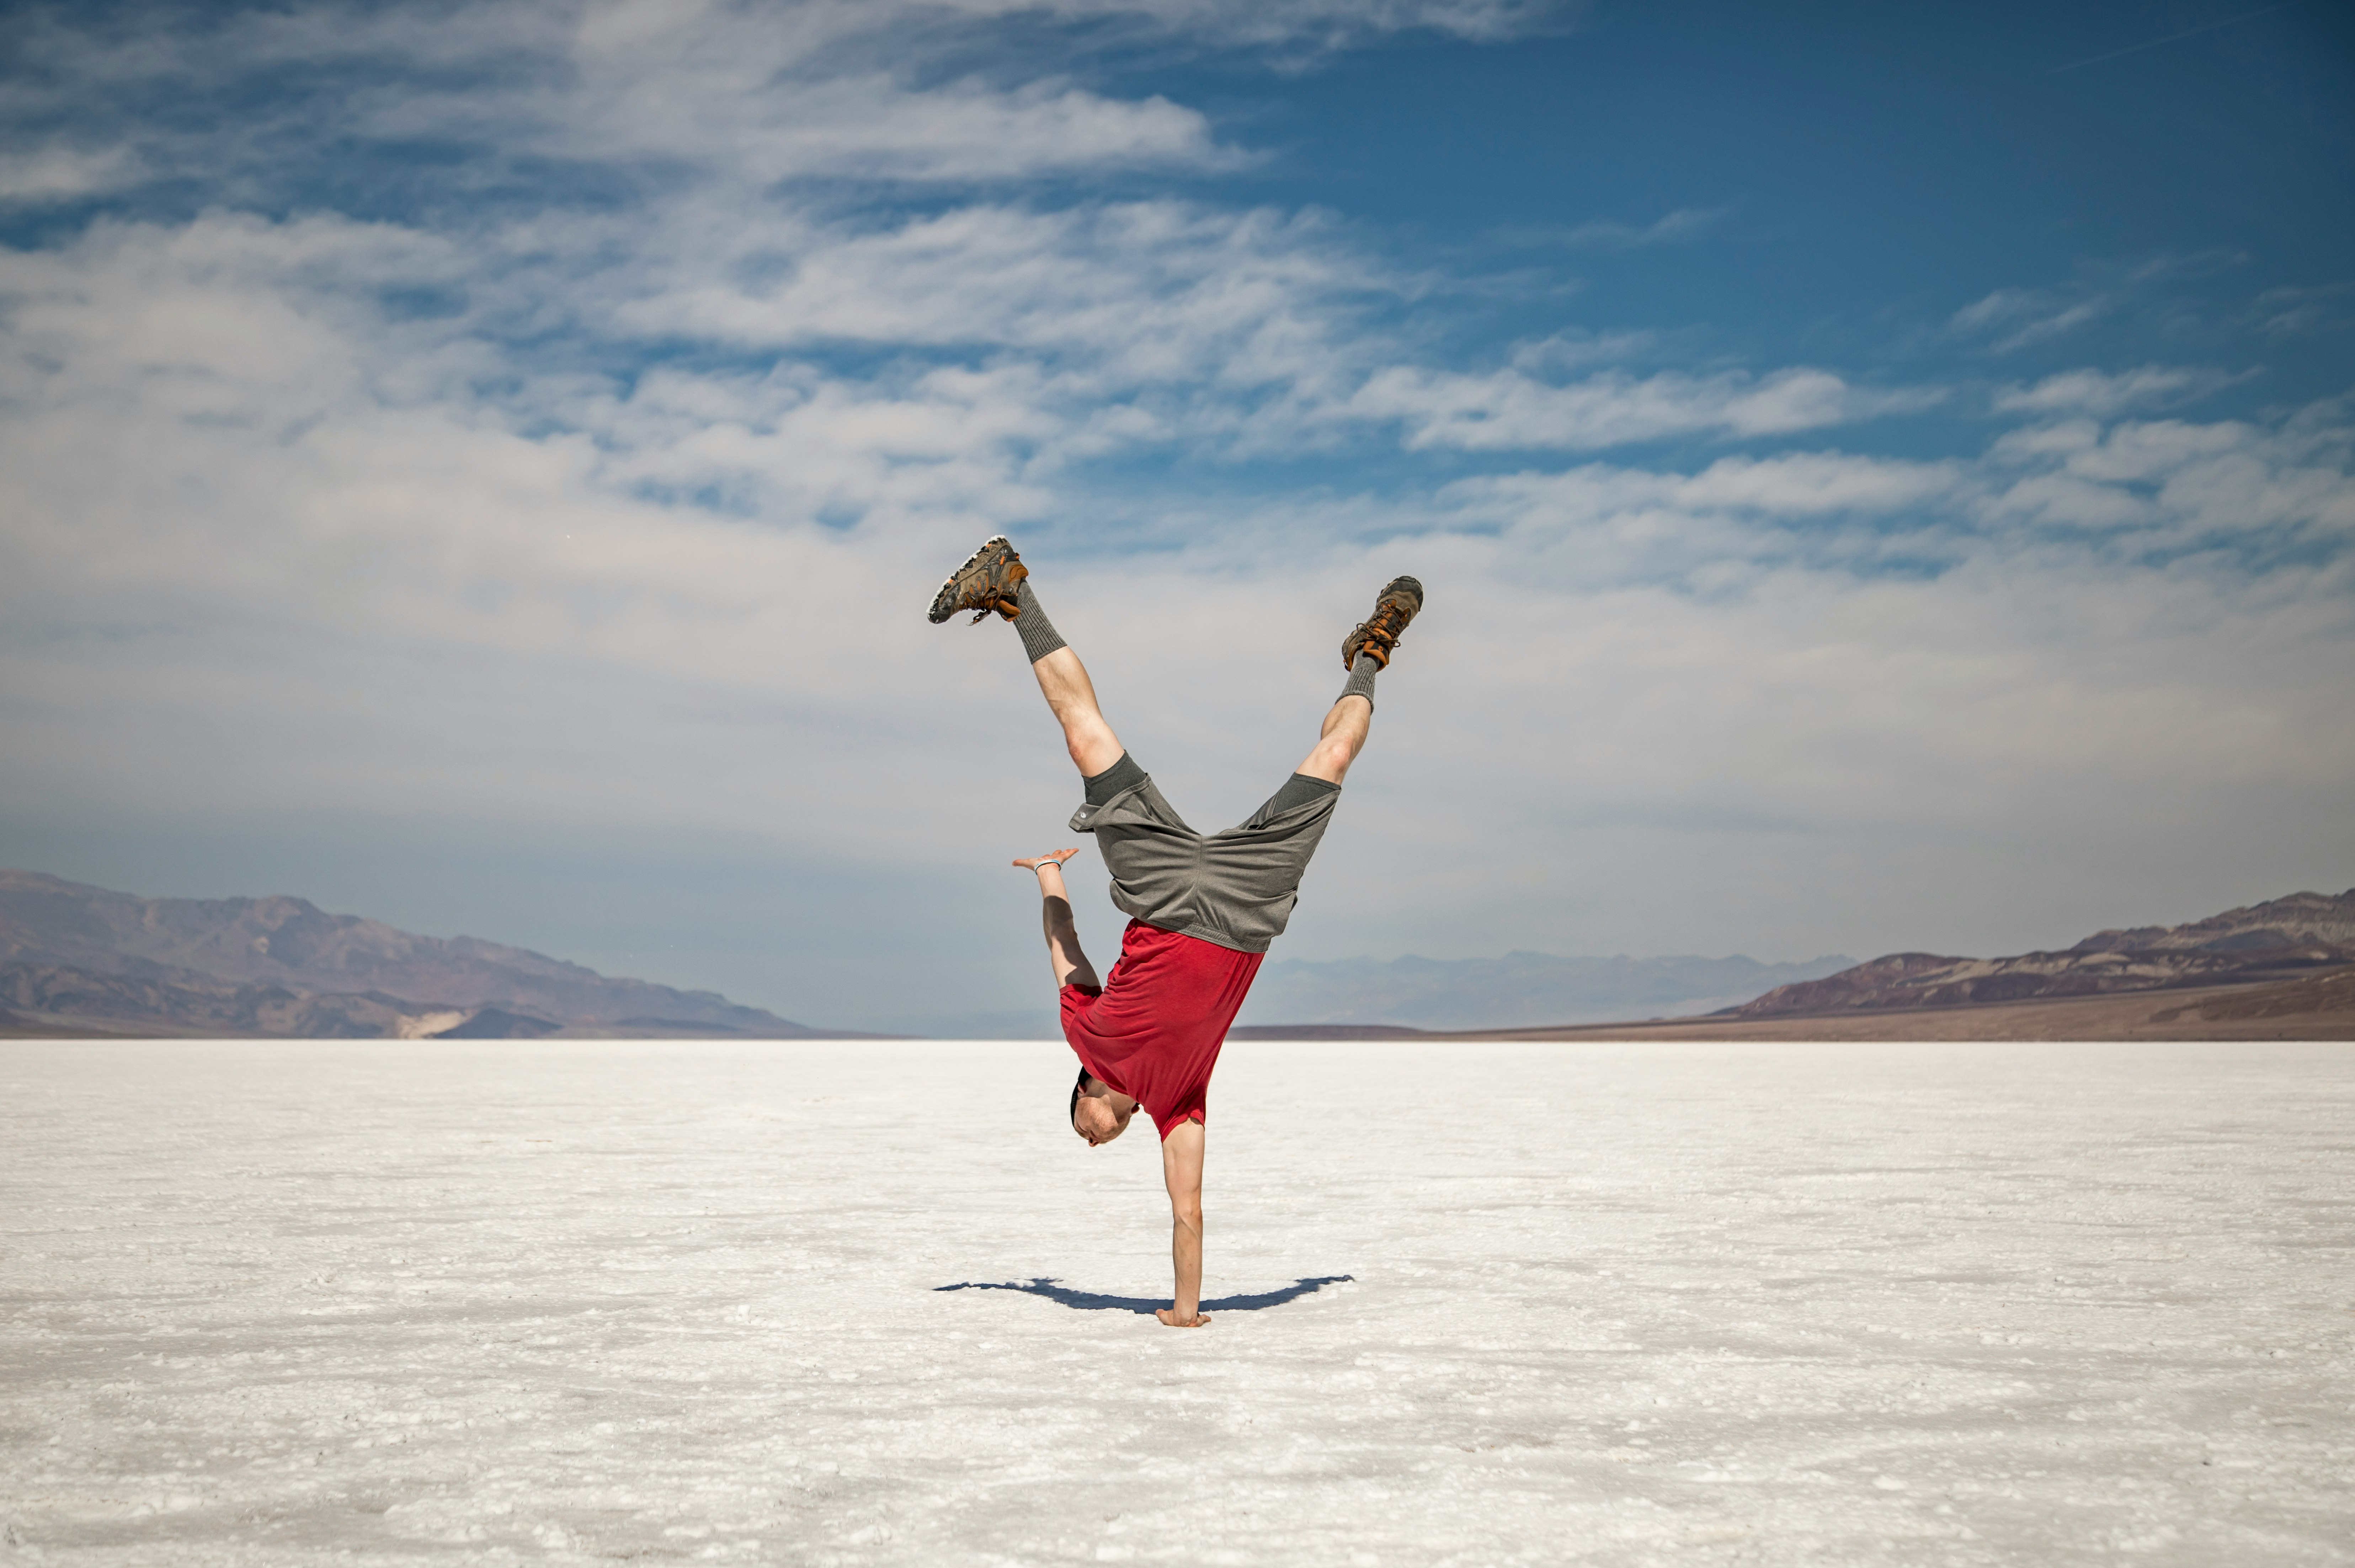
1203 909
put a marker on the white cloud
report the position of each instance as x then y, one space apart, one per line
2019 317
2099 393
1510 410
753 129
1612 235
59 174
1723 530
1158 290
1575 349
2304 312
2156 489
741 94
1328 23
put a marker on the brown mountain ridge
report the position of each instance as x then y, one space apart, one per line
2281 969
2282 939
71 954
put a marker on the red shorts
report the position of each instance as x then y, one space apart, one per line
1154 1028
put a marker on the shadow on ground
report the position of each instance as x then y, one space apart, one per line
1090 1301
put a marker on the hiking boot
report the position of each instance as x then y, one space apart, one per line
1379 633
986 582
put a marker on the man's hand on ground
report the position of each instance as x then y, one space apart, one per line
1168 1315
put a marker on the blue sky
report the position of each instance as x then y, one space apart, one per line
1883 476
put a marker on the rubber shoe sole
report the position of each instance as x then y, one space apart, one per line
986 582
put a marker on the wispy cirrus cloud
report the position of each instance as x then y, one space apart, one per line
2122 295
2305 312
1611 234
1511 409
2102 394
2013 319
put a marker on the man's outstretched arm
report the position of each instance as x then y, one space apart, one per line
1063 955
1181 1169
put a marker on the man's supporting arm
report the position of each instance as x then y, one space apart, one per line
1181 1168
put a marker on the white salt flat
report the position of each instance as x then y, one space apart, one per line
578 1301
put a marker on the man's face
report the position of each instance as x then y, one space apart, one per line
1098 1118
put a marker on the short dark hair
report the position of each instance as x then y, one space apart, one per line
1076 1087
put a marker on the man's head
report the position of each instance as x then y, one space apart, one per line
1099 1113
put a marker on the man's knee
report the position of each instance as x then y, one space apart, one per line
1331 759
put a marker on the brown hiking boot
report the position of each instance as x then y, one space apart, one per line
986 582
1380 632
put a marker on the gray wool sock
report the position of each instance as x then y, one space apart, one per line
1039 635
1361 679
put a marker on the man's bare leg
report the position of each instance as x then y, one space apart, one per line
993 580
1181 1171
1063 955
1063 680
1365 653
1347 724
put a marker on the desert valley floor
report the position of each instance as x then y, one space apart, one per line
397 1303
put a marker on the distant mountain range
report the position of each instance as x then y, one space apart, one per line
2284 939
72 954
1517 990
2285 968
74 958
